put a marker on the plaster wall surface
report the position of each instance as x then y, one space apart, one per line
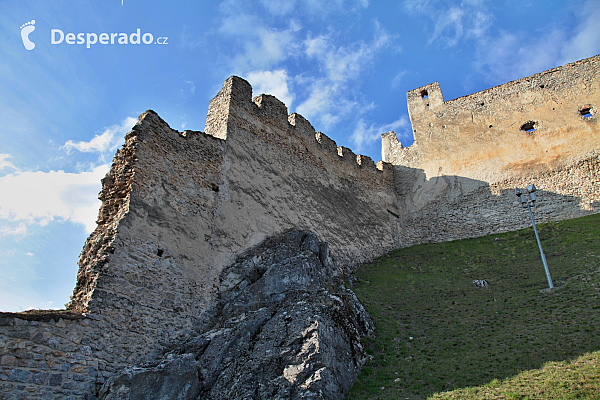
482 136
280 174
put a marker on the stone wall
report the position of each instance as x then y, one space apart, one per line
280 174
458 178
49 356
179 207
486 135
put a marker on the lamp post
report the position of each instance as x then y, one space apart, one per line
528 204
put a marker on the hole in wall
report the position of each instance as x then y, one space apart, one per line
491 126
424 94
586 111
529 126
159 252
542 86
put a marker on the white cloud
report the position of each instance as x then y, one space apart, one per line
238 24
331 96
514 55
449 26
364 135
191 86
271 82
107 141
19 230
190 89
5 164
323 8
261 47
398 78
453 21
278 7
40 197
586 41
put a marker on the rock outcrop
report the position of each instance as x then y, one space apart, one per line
285 327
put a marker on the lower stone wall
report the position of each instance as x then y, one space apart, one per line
50 357
449 207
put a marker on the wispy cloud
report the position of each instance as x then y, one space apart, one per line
188 90
107 141
331 95
314 8
279 7
28 198
6 165
17 230
586 39
365 135
513 55
191 87
452 21
272 82
261 47
398 78
332 68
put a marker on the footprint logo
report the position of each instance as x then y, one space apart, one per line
26 29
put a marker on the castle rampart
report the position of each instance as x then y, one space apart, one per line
179 207
531 124
457 180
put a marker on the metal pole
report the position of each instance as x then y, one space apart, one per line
537 237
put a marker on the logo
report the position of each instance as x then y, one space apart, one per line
57 36
89 39
26 29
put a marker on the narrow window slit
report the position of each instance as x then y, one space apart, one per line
586 112
529 126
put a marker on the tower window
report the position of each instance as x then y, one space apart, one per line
586 112
529 126
424 94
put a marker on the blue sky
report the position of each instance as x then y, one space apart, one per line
345 65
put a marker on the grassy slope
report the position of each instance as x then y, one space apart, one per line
437 332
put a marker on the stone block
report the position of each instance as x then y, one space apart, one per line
19 375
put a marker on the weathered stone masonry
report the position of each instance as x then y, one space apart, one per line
458 179
179 207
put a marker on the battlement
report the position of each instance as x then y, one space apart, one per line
180 207
269 121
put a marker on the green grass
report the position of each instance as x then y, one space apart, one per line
437 332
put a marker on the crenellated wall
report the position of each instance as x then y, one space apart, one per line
179 207
281 174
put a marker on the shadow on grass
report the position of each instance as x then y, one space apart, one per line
437 331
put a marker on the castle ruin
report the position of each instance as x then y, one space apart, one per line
179 208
